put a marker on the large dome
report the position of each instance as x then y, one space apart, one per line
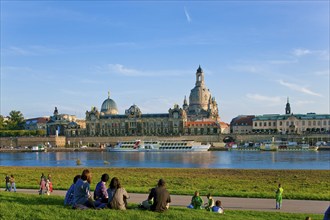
109 107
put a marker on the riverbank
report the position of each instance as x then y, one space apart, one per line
229 203
54 149
24 206
298 184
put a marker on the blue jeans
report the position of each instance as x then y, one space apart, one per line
13 186
7 187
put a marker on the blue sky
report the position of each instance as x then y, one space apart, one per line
254 55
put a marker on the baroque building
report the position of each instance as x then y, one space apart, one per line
63 125
199 117
287 123
201 103
290 123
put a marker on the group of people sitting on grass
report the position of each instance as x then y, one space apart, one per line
79 196
197 203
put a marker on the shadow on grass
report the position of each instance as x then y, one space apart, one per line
19 198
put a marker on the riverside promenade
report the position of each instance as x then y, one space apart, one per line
229 203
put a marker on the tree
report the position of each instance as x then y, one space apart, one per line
2 123
16 120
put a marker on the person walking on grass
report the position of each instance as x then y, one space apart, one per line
12 183
7 178
278 196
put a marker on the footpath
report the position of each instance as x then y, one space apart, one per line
229 203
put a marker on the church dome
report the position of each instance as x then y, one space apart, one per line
109 107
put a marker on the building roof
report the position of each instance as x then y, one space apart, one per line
308 116
242 120
39 120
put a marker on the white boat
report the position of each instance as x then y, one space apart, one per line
38 148
159 146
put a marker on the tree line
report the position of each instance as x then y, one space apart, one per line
15 121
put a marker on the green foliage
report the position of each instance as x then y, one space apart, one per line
17 133
2 122
16 120
24 206
297 184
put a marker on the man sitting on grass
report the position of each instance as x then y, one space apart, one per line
160 196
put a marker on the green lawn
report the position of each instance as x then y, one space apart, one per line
25 206
297 184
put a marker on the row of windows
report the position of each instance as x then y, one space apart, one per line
288 123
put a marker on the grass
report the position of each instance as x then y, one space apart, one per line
24 206
297 184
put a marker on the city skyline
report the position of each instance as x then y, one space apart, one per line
254 55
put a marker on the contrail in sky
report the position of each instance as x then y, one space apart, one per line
187 15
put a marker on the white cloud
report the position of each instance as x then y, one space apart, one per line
300 103
321 54
322 73
300 52
31 50
282 61
121 69
118 68
275 100
187 15
298 88
247 68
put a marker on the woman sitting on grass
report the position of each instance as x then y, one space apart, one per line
82 198
68 201
119 195
196 201
100 193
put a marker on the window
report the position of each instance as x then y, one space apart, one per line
256 124
303 123
281 123
269 124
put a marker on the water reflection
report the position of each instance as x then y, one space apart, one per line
222 159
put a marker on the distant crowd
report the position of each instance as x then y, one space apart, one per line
115 196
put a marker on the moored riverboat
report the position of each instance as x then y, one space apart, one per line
38 148
159 146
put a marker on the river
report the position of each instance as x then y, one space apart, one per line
319 160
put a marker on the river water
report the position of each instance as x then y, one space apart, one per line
319 160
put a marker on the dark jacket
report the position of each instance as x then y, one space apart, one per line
161 197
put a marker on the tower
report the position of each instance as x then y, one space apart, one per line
201 104
287 107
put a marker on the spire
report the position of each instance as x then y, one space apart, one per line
199 76
185 101
109 94
287 107
199 70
